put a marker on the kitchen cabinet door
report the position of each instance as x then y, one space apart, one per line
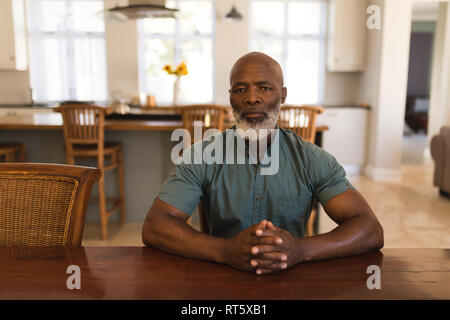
13 48
347 134
346 35
6 35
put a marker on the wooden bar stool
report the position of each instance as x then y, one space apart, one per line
302 120
12 152
84 130
212 117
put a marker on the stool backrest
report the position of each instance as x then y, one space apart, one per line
44 204
300 119
83 124
211 116
12 152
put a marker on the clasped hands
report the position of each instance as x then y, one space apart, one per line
262 248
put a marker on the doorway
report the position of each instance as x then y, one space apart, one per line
423 30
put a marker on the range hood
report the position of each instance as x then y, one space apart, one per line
137 9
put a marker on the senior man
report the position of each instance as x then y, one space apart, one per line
256 221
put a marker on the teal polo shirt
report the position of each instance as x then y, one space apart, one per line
237 196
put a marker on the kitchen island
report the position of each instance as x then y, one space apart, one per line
146 143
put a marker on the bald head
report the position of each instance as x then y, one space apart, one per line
256 91
258 60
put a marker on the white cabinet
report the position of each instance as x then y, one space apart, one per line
346 35
346 138
13 42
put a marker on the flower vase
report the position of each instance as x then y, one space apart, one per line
176 91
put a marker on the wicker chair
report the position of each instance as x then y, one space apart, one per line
44 204
12 152
302 120
84 130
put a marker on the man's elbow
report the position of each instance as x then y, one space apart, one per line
147 234
376 236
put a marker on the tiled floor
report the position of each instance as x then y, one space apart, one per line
128 234
411 212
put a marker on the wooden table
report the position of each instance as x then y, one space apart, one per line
146 273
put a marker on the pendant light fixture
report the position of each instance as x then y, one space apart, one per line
233 14
137 9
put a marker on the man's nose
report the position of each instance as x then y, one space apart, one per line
252 97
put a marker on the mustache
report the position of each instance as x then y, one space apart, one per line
253 110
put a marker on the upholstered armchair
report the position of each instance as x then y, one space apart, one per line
440 151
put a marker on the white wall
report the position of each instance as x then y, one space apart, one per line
122 53
14 87
231 42
370 81
384 86
342 88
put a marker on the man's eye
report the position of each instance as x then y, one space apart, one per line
239 90
266 88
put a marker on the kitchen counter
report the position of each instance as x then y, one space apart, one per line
146 145
53 121
147 148
351 106
136 120
157 110
27 105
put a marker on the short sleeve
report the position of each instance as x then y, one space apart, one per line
329 176
183 189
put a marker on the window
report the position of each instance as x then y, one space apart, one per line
293 33
67 50
188 38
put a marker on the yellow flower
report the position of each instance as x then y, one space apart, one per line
181 69
168 68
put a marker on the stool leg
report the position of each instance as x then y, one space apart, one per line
312 218
22 154
10 157
121 187
70 159
102 204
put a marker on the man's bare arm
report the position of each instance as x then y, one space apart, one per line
358 232
165 228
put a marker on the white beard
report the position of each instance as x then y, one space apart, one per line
259 130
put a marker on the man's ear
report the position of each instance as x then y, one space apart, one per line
283 94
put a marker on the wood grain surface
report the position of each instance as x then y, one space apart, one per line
146 273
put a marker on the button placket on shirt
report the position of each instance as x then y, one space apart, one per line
258 203
259 190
